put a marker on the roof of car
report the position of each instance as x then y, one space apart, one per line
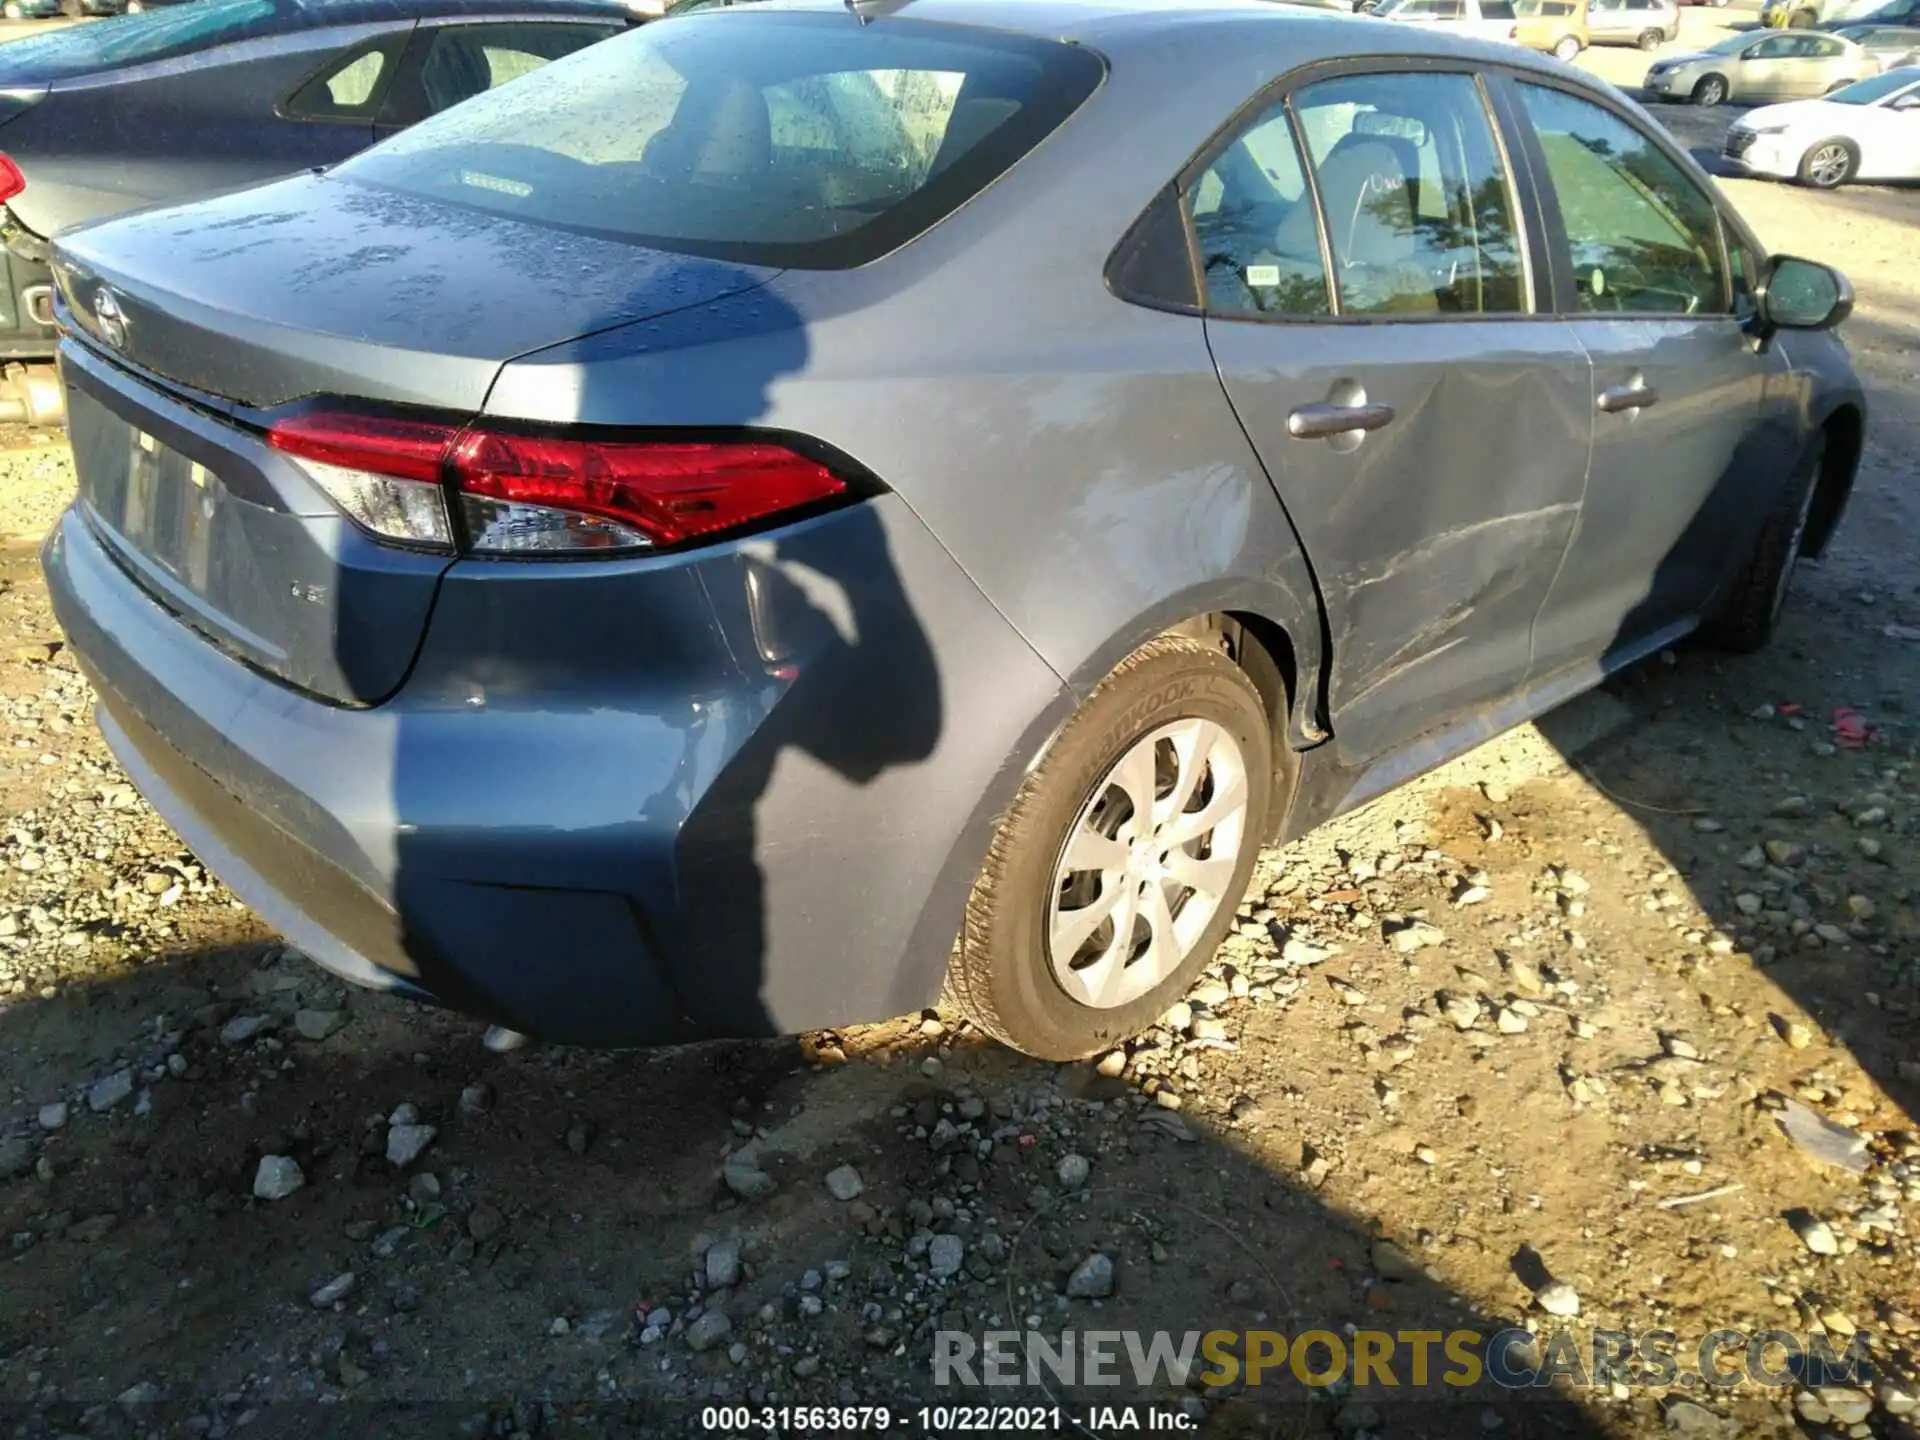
354 12
1116 26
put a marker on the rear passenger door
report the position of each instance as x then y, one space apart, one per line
1374 318
1765 70
1681 472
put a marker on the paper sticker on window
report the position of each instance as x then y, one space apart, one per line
1263 274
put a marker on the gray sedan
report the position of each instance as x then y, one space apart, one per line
665 547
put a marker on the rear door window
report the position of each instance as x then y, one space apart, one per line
1255 229
452 63
768 138
1420 216
349 87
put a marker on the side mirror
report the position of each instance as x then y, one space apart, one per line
1804 295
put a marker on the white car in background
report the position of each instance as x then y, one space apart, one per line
1482 19
1868 131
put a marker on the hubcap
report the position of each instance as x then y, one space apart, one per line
1148 863
1828 164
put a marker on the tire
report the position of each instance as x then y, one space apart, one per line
1567 48
1002 975
1748 617
1649 39
11 10
1711 90
1829 164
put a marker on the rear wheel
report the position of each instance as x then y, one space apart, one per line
1649 39
1829 164
1750 614
1711 90
1118 868
1567 48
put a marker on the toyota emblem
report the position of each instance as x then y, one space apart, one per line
109 317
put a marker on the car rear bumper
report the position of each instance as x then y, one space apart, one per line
737 793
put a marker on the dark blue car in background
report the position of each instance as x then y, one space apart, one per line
198 99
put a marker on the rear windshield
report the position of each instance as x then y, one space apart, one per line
135 39
810 140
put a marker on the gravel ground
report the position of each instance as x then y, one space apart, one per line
1525 1036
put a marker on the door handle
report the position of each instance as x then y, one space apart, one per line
1635 395
1324 422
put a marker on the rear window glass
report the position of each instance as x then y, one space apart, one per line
124 40
805 140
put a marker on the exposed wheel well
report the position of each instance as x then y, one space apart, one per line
1845 434
1265 651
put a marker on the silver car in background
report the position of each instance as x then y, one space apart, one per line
1646 23
1796 65
1477 19
1891 46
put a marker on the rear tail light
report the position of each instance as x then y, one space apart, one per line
545 495
12 182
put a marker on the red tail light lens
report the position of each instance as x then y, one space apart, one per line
12 182
625 495
546 495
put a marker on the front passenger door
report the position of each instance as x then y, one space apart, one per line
1425 428
1680 475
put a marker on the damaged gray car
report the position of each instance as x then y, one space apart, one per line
663 548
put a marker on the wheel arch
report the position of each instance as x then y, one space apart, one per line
1276 631
1845 429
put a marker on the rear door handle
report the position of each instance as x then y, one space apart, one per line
1323 422
1635 395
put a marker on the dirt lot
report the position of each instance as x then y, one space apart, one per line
1657 915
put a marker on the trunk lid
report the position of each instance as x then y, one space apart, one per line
199 319
320 285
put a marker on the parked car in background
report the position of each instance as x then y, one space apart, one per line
30 9
1868 131
1477 19
1889 13
1556 27
1808 14
1754 68
502 559
1891 46
204 97
1646 23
